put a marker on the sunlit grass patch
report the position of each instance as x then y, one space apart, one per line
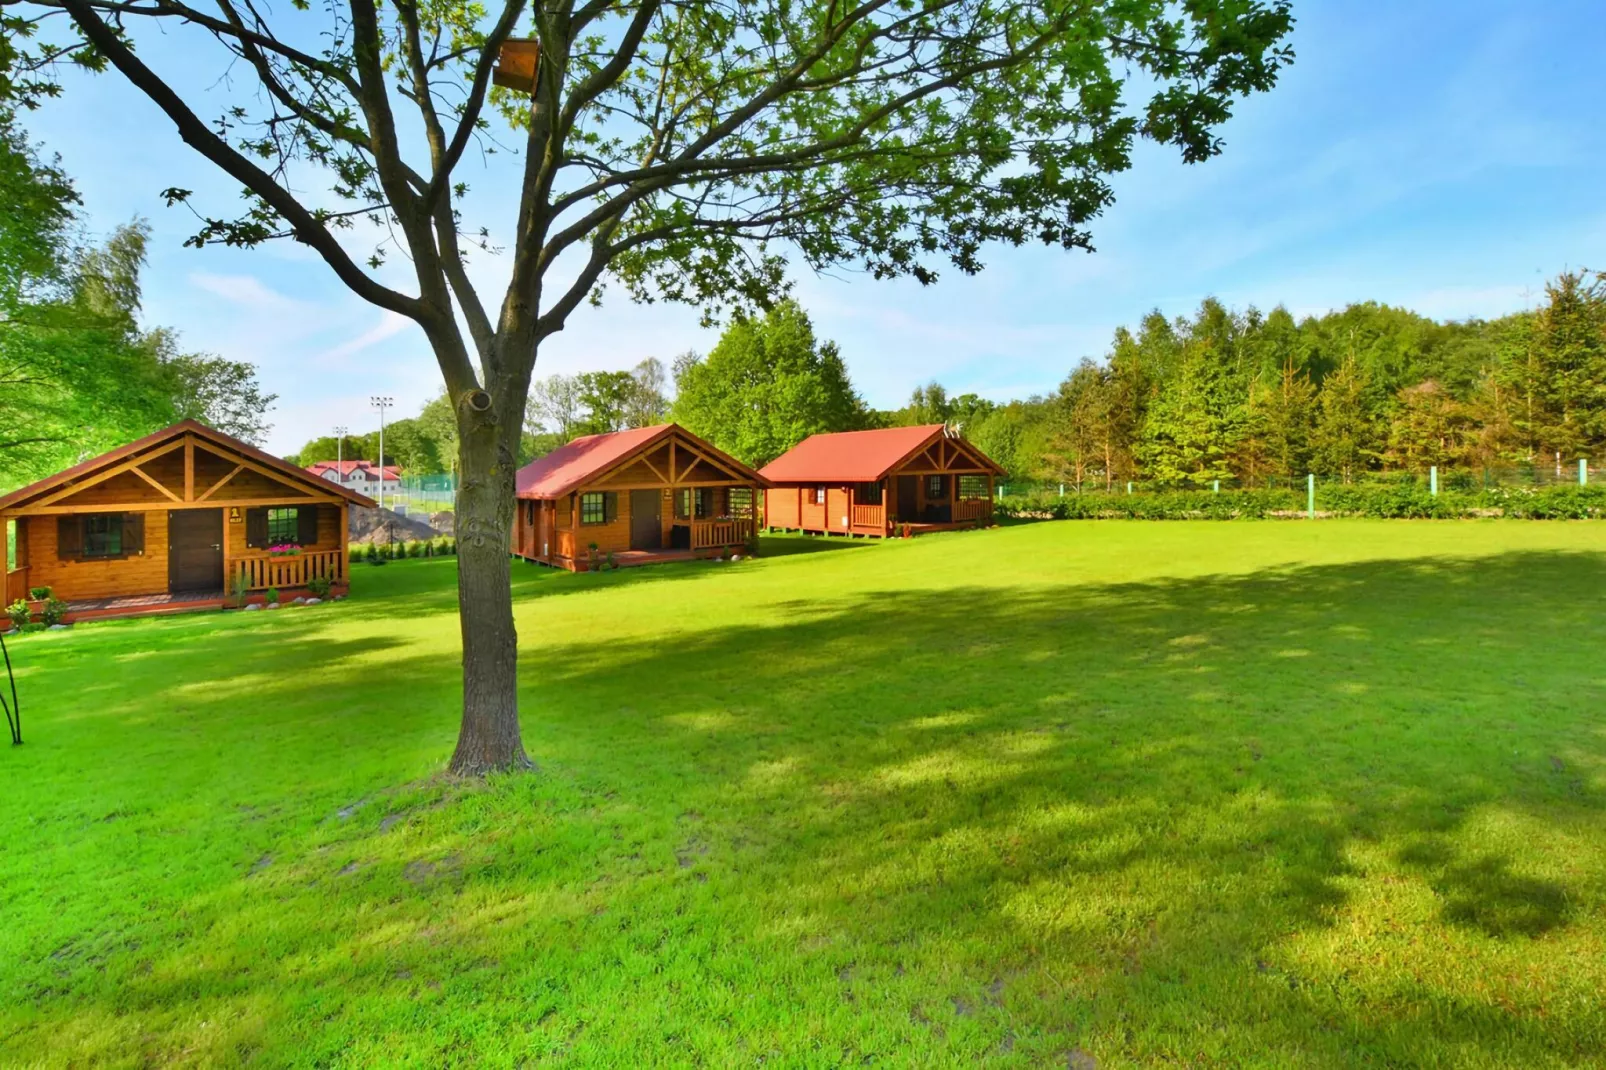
1184 794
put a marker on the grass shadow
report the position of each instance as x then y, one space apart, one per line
1320 816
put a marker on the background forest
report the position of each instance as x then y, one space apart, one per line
1245 398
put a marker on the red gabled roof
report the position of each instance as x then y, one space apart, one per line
347 468
200 431
585 458
855 456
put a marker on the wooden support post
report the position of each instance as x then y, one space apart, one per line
345 546
189 469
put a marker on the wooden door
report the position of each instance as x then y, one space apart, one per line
195 550
646 526
908 499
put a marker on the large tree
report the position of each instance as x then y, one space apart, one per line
677 148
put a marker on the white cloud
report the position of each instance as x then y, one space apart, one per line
390 324
248 292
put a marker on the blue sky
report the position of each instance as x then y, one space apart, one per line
1444 155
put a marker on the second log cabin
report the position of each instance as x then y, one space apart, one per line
643 495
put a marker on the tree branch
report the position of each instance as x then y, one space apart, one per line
199 137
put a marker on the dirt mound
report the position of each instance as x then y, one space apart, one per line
383 525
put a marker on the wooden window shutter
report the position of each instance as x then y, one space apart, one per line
133 533
69 538
610 506
307 525
256 528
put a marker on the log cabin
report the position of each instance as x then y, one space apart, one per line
171 522
644 495
908 479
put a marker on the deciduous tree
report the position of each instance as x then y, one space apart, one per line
766 386
673 148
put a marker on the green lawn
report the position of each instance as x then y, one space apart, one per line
1073 794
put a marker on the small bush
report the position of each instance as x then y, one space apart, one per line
54 612
319 586
272 595
41 594
19 614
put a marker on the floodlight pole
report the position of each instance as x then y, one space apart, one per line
381 403
340 458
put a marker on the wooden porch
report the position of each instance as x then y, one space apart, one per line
261 571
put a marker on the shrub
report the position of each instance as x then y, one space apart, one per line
19 614
319 586
1395 498
54 612
272 595
240 589
41 594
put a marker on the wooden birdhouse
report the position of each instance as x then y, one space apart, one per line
516 65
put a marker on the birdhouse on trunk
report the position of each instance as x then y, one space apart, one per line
516 65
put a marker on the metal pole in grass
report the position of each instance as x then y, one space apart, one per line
14 710
1583 472
1218 487
1433 480
1129 486
1310 496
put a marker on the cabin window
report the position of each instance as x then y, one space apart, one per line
284 527
867 493
103 535
936 487
741 501
705 502
683 505
593 508
819 495
972 487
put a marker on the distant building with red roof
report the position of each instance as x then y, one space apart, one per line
920 478
362 476
642 495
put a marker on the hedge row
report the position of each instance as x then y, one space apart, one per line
1393 501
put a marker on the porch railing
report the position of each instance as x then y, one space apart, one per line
973 509
16 584
262 571
869 516
729 532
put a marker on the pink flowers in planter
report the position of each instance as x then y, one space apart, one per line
284 550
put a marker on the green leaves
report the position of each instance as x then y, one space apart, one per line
765 387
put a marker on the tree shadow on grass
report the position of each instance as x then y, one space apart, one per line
1205 820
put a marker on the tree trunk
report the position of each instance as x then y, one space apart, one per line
489 739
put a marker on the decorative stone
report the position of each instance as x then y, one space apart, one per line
310 601
273 605
298 600
736 557
252 606
59 627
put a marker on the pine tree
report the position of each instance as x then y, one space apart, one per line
1195 422
1345 437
